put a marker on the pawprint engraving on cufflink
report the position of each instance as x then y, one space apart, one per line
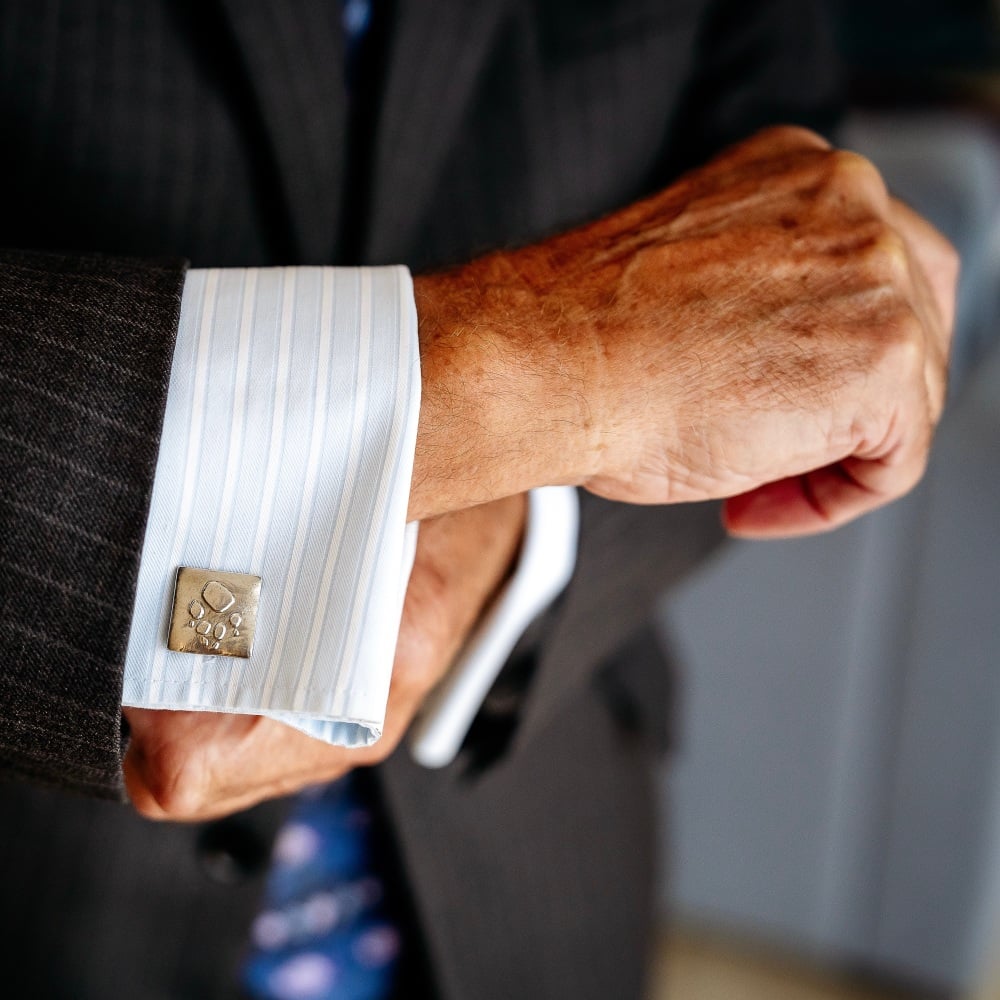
211 631
214 613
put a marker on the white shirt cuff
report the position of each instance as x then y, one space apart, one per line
546 563
286 453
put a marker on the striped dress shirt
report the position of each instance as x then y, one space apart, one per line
287 451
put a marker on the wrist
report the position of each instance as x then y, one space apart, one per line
503 403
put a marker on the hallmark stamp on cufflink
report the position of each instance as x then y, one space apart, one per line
213 613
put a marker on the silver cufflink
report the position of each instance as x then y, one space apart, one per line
213 613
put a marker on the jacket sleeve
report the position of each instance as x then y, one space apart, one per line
757 64
85 352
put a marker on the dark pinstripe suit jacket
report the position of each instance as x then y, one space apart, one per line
216 131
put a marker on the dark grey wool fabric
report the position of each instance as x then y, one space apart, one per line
85 346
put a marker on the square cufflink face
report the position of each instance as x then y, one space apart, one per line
213 613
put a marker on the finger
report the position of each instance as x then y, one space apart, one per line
197 765
789 508
937 259
823 499
138 789
933 269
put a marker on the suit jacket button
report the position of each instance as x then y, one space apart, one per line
231 852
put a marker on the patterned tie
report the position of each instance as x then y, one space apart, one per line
324 932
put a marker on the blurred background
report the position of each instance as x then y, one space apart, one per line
834 799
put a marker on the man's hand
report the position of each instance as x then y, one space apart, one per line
197 765
773 328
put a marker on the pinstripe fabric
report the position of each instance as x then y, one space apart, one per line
78 335
293 60
154 138
286 452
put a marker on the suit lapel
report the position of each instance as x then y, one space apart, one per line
437 53
293 55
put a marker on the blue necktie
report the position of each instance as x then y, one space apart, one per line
324 932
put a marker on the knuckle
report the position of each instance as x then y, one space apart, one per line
853 174
853 167
774 142
887 259
148 810
937 396
949 254
949 260
176 785
791 137
936 384
903 347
